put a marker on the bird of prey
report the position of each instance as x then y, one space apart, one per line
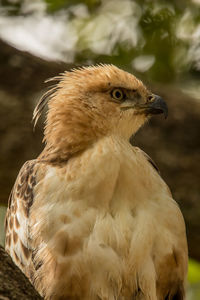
91 218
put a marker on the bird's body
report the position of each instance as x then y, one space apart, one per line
92 219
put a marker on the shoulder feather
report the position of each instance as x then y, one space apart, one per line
17 242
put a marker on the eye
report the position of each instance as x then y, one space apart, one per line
118 94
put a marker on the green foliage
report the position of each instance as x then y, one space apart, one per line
158 38
194 280
55 5
194 271
12 8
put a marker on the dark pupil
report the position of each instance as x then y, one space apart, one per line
118 94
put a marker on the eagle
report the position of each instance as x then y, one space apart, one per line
91 218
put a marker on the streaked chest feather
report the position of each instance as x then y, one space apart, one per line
96 214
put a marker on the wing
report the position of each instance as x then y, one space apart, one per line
17 241
148 158
171 268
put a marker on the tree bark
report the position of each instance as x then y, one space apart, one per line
14 285
173 144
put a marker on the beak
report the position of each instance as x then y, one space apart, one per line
154 107
157 106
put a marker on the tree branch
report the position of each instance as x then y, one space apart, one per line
14 285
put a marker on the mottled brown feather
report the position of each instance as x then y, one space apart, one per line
20 202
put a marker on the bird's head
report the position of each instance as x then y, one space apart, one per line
93 102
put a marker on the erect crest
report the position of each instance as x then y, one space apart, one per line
49 94
45 98
55 87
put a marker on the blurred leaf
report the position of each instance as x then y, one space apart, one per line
55 5
194 271
158 39
12 8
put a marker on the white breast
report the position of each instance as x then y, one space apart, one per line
99 217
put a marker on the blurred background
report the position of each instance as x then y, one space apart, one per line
158 41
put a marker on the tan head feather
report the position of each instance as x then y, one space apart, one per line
81 108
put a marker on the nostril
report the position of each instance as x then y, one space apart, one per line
150 98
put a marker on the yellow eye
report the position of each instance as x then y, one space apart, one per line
118 94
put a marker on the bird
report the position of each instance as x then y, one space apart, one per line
91 217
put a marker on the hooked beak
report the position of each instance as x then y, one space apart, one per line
155 106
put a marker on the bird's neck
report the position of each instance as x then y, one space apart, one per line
67 135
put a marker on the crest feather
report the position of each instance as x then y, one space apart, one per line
54 88
42 102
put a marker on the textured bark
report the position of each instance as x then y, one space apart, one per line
13 283
173 143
